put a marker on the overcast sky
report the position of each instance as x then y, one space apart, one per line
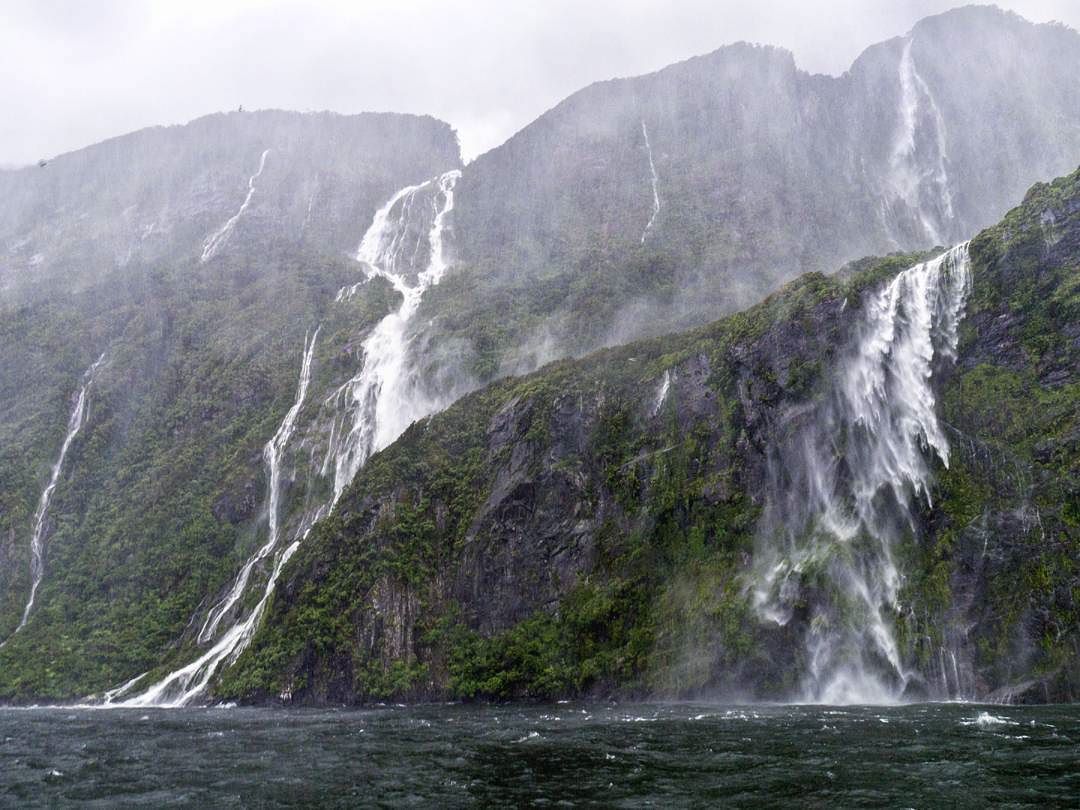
77 71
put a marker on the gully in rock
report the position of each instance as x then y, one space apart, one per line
843 489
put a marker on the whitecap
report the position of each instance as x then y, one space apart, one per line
986 720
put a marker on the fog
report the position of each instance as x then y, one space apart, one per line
76 73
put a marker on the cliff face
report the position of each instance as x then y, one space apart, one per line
592 527
645 205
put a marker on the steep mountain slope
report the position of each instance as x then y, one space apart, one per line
161 494
643 205
602 525
181 192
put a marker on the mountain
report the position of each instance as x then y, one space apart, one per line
616 525
645 205
208 331
158 498
170 194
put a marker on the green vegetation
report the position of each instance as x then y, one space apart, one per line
161 496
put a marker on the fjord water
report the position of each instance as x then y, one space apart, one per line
927 755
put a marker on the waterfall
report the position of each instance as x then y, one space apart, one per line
655 180
916 186
37 539
662 394
273 453
375 406
218 239
184 685
843 489
370 411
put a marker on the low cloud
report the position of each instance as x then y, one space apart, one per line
76 73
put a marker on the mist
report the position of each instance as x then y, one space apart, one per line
80 73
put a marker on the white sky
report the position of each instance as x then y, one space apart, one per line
73 72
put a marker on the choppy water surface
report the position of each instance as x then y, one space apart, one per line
571 753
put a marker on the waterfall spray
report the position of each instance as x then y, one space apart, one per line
917 185
843 489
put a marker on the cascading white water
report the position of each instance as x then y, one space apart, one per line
187 683
842 489
655 181
123 688
37 539
217 239
273 453
918 178
662 394
375 406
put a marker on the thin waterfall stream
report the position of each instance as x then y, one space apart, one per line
37 538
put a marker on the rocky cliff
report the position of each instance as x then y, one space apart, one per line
592 528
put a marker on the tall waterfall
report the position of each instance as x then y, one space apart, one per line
843 489
273 455
376 405
369 412
37 539
187 683
655 180
918 175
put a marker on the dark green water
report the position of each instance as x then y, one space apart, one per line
568 754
